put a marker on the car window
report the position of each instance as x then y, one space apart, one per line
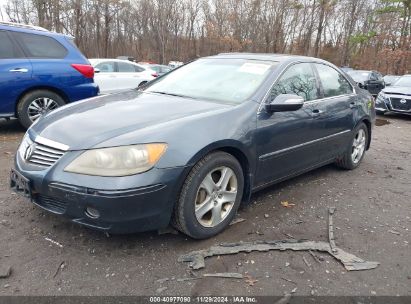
39 46
7 48
125 67
298 79
373 76
106 67
333 82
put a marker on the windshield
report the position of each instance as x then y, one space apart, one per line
229 81
358 76
404 81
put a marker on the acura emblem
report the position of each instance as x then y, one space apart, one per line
29 151
403 101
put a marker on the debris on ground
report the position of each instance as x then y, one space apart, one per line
288 280
227 275
5 272
306 262
394 232
161 289
250 280
237 220
287 204
196 259
53 242
161 281
61 266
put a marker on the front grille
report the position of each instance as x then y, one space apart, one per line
39 154
50 204
401 106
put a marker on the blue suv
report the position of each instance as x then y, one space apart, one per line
39 72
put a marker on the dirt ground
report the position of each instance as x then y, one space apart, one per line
372 221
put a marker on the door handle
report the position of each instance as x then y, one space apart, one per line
317 112
19 70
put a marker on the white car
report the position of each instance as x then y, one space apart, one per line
116 75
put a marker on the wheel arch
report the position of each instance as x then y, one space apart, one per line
37 88
238 151
367 122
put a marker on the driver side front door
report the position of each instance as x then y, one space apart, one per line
285 140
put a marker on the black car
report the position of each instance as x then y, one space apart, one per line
371 81
395 98
191 146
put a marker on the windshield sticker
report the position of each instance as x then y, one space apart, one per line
254 68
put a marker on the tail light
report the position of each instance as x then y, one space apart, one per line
85 69
154 75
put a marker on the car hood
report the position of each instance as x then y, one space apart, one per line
397 90
85 124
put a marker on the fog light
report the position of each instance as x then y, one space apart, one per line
92 213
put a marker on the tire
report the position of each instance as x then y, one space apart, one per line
222 203
347 160
48 99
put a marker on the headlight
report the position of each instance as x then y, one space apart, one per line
118 161
381 96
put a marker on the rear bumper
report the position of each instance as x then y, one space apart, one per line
83 91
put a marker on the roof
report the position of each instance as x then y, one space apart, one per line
265 56
25 26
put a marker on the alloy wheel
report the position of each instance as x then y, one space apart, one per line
358 146
216 196
41 106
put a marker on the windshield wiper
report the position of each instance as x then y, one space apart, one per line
171 94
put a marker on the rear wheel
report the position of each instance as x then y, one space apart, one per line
210 196
356 150
35 104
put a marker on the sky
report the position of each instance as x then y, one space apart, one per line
2 12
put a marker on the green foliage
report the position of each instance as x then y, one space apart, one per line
362 37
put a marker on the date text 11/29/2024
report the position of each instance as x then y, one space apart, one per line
203 299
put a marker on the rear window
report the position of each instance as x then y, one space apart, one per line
39 46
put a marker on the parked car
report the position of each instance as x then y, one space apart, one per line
160 69
371 81
395 98
39 72
188 148
116 75
175 64
390 79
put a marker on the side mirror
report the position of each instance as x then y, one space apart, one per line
284 103
387 84
96 70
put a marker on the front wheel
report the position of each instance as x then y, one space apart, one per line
35 104
355 152
210 196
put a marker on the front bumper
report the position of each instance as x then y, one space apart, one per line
387 105
128 204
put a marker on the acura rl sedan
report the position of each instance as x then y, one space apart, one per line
190 147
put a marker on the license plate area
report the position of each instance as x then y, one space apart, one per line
20 184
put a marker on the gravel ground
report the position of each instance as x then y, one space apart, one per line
372 221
